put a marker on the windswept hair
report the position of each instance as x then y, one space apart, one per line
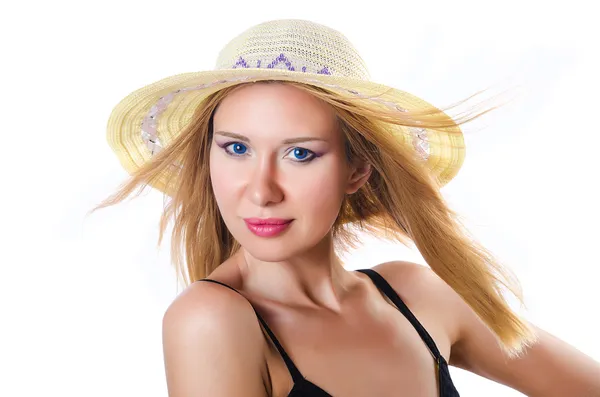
401 202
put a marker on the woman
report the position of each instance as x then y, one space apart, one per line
273 162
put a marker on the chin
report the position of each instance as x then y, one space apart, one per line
272 251
275 249
290 243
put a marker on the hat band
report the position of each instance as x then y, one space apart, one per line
280 62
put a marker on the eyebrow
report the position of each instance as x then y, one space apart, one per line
285 141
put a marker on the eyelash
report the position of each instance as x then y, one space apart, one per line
311 155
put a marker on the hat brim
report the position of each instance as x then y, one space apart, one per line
446 149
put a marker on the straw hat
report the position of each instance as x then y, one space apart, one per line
287 50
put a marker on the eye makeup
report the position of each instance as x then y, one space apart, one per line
239 149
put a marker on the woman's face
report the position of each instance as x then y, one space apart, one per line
277 152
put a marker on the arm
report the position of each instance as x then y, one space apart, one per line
549 368
213 345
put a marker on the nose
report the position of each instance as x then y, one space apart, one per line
263 187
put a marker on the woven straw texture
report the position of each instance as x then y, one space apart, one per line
288 50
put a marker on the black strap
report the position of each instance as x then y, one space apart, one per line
296 375
387 289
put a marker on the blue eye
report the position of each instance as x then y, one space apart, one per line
238 148
302 153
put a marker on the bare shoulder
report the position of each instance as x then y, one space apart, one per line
416 281
209 306
211 336
421 289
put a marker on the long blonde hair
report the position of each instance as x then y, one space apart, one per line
401 201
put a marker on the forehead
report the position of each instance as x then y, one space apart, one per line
275 110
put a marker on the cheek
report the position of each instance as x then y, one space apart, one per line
319 193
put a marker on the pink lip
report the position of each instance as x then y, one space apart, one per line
268 227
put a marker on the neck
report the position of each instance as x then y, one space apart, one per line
315 278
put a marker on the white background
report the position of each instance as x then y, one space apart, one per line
82 299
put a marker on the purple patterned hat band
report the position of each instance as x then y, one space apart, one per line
281 62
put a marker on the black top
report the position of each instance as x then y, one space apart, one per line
304 388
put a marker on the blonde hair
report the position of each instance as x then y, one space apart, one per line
401 201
